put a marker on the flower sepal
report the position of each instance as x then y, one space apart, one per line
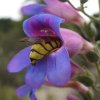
87 78
92 56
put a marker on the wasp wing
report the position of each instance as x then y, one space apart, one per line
39 39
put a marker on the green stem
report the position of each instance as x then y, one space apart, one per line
82 10
72 5
92 18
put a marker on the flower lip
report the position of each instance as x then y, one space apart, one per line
42 25
19 61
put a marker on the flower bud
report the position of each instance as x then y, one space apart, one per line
74 43
65 11
72 97
87 46
58 8
77 86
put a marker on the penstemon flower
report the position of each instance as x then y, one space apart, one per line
75 43
56 7
46 57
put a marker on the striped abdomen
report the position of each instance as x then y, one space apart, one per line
40 50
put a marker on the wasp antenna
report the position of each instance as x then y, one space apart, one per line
23 40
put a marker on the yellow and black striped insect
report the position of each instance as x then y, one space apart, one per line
42 46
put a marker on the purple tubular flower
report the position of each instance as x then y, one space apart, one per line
61 9
55 66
